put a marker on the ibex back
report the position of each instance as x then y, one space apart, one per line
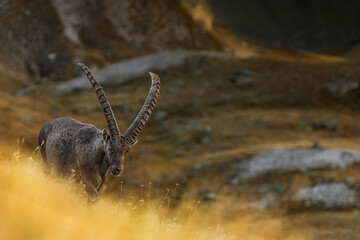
67 144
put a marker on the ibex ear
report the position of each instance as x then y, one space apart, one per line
106 136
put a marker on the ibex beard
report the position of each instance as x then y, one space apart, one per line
67 144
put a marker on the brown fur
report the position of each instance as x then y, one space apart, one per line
67 144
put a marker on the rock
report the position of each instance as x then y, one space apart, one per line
209 197
193 126
351 180
197 73
204 140
340 86
128 69
199 166
179 152
328 195
244 82
72 14
207 131
244 73
243 79
180 140
26 118
179 82
52 56
265 202
330 125
159 115
306 118
4 6
284 160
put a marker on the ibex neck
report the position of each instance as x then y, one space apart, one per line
104 167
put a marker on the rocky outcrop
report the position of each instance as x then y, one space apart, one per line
125 70
300 179
294 160
327 195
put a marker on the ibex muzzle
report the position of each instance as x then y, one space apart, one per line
67 144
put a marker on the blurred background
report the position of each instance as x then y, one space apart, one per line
257 116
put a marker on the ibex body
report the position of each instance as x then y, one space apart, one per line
67 144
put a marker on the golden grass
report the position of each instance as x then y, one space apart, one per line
34 205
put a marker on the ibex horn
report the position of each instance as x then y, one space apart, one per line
145 112
105 105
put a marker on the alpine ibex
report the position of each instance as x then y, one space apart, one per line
67 144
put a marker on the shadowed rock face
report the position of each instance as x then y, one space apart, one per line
301 25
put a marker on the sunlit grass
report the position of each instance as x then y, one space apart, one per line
34 205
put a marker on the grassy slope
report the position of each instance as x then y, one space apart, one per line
35 206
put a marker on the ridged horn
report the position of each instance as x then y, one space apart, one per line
105 105
145 112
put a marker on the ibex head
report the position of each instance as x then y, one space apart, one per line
116 146
115 153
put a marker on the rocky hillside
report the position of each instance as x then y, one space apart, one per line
41 40
266 139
